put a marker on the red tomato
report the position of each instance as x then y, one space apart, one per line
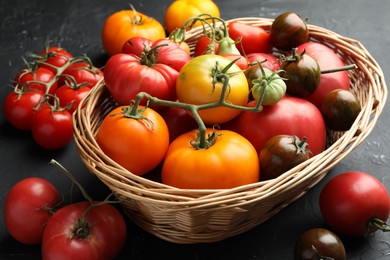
202 46
229 162
137 142
54 58
100 235
18 108
27 208
41 79
253 38
70 96
352 201
267 60
289 116
52 127
178 120
153 70
327 59
82 72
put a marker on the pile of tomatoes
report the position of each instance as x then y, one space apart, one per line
47 92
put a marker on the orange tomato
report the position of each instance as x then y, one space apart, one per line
125 24
179 11
139 145
230 162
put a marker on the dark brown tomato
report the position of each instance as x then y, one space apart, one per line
302 74
280 154
340 109
319 243
288 30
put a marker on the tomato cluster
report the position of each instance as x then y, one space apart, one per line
47 92
67 231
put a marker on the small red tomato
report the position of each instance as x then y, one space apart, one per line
27 208
54 58
340 109
41 79
71 95
355 204
52 127
280 154
82 72
204 46
19 108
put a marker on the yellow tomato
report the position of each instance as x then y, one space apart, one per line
194 85
181 10
125 24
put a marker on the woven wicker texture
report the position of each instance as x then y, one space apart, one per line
199 216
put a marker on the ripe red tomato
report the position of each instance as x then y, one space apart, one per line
100 235
18 108
240 60
41 79
350 202
136 142
289 116
52 127
70 96
230 162
82 72
253 38
54 58
288 31
327 59
28 206
148 69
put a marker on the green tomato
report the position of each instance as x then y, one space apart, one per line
269 87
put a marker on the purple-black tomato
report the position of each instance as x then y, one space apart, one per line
340 109
280 154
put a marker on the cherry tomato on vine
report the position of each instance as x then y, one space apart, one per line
340 109
197 84
289 116
288 30
229 161
54 58
41 79
138 142
355 204
280 154
19 107
125 24
253 38
319 243
327 60
28 206
52 126
82 73
71 95
302 74
179 11
100 234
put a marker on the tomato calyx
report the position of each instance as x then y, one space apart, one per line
210 140
377 224
318 256
301 145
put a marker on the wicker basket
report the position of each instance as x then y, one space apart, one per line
198 216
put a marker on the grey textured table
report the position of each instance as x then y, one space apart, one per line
26 26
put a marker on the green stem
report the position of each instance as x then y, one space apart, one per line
347 67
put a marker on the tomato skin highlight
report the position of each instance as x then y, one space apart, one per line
349 201
105 240
230 162
27 209
139 145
